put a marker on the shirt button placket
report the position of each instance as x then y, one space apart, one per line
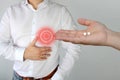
34 25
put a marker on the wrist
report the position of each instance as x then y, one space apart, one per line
113 39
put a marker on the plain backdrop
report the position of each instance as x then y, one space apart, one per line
96 62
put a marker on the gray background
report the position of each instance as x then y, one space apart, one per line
95 63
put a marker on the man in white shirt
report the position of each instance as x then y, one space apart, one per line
18 27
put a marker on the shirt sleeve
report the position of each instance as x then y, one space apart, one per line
7 47
71 51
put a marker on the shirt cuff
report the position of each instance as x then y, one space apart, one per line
57 76
19 53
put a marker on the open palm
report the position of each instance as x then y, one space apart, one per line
98 33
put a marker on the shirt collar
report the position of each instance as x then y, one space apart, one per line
43 4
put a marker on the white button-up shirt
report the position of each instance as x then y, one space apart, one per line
18 27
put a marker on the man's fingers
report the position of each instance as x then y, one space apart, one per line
67 31
85 22
44 55
42 49
64 33
43 58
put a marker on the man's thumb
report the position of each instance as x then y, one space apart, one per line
33 42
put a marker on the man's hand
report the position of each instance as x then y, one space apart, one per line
33 52
95 34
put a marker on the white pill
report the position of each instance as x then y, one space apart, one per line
84 33
88 33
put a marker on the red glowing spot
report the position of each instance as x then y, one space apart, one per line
45 36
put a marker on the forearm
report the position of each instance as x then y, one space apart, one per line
114 39
11 52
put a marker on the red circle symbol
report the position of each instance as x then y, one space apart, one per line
45 36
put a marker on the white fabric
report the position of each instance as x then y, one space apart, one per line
18 27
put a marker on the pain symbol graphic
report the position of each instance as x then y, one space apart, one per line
45 36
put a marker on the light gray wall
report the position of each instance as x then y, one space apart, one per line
95 63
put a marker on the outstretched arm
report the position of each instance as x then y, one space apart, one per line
95 34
